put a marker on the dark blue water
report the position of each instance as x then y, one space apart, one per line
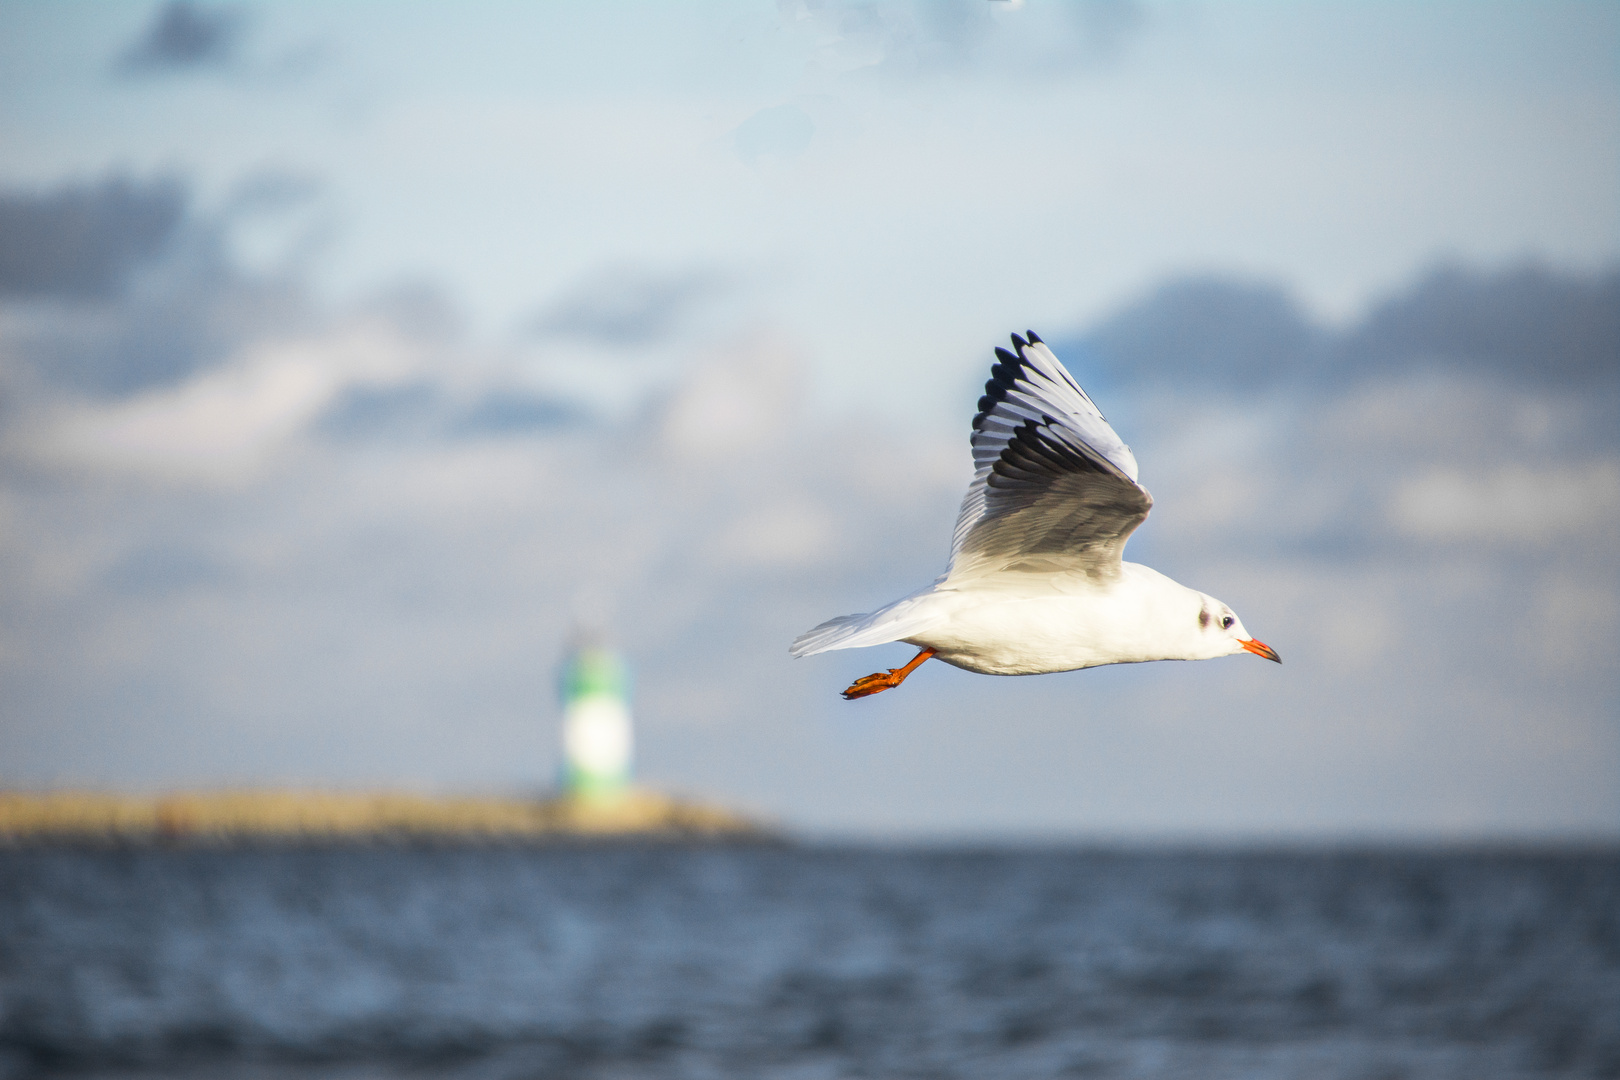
791 962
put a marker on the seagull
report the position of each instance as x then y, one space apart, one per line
1036 582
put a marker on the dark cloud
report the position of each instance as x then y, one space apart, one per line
117 286
1528 323
376 412
184 37
625 308
183 324
83 240
1231 333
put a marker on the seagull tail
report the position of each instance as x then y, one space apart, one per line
832 634
896 622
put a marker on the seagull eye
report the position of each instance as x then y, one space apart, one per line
1226 623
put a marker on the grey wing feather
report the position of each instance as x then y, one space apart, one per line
1053 488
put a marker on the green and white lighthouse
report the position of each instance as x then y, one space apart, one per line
597 738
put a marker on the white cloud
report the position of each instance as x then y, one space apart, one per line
1516 504
785 533
224 424
742 395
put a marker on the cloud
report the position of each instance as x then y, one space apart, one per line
121 286
740 397
184 37
1235 334
83 240
161 570
271 191
429 409
1511 503
1528 323
626 307
511 411
788 532
274 222
225 423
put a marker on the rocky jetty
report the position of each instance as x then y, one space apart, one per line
276 815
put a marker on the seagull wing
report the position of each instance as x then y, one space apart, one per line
1054 489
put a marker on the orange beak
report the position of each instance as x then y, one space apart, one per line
1260 648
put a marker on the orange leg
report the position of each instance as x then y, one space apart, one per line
885 680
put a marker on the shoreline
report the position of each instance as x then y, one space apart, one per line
261 814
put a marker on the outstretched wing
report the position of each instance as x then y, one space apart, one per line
1054 489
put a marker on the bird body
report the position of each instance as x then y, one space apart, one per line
1034 623
1036 582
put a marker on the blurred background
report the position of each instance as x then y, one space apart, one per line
352 355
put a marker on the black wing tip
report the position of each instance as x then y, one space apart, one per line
1030 338
1006 371
1003 373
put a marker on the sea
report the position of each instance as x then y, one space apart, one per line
622 960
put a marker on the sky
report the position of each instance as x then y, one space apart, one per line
351 355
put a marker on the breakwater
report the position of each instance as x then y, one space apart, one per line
247 815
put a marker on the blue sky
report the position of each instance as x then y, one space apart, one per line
460 321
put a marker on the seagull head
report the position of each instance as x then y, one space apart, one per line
1222 633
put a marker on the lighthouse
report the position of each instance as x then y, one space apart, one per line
597 739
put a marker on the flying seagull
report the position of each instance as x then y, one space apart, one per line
1036 582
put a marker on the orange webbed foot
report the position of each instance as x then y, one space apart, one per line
880 681
872 684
